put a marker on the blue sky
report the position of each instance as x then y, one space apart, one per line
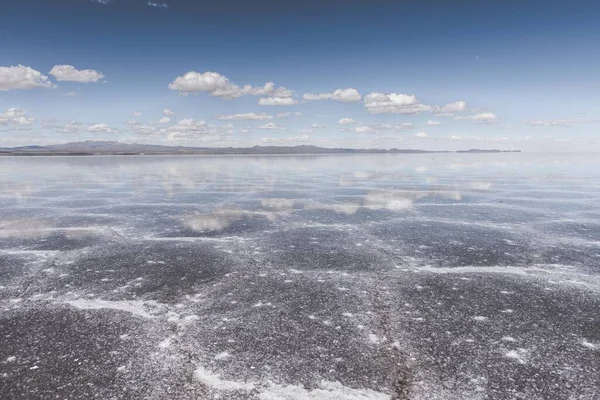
408 74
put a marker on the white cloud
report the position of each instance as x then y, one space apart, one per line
404 126
158 5
488 139
22 77
422 135
70 94
190 129
283 115
246 116
277 101
317 126
380 103
144 130
563 123
456 106
341 95
269 125
72 127
399 103
219 86
445 115
168 112
347 121
433 123
70 74
100 128
294 140
132 122
164 120
377 128
483 117
15 116
136 114
364 129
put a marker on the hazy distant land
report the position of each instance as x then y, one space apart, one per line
92 147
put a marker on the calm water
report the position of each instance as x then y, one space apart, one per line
300 277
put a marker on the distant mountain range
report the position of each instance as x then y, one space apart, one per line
93 147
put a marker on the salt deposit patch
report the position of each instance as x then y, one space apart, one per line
271 391
519 355
214 381
373 338
223 356
590 345
326 391
135 307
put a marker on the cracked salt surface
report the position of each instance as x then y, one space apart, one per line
454 276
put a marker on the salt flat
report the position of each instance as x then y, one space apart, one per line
445 276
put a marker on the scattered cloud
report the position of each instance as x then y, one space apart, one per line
70 94
269 125
246 116
422 135
69 73
445 115
375 128
481 117
277 101
186 129
100 128
22 77
489 139
190 129
347 121
317 126
143 130
168 112
15 116
363 129
380 103
341 95
158 5
454 107
72 127
561 122
295 140
298 116
136 114
433 123
547 123
219 86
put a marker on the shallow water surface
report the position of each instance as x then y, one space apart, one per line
426 276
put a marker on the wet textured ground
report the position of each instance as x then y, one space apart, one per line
334 277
